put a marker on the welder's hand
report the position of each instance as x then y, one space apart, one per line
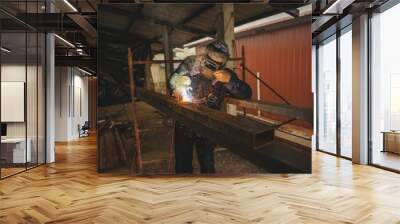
222 76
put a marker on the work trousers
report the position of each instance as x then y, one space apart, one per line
185 142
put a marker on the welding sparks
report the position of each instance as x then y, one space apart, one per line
182 86
185 93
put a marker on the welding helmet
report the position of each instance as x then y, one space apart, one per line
216 47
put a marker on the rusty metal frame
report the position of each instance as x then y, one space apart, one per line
138 155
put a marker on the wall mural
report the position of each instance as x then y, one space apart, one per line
194 108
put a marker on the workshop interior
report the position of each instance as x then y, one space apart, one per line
98 92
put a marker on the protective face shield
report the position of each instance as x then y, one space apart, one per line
217 56
212 64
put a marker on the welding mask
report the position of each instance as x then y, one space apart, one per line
217 47
212 64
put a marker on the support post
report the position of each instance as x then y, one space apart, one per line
258 93
50 92
225 27
360 90
138 156
168 55
147 72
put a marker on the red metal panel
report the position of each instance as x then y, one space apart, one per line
283 58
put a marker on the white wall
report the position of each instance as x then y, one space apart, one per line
33 127
62 81
71 102
16 73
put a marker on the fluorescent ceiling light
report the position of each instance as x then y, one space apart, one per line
202 40
65 41
305 10
70 5
337 7
84 71
262 22
5 50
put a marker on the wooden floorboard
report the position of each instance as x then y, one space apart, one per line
71 191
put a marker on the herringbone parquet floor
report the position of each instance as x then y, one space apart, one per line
71 191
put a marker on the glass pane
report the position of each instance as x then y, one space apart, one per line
385 114
346 94
41 99
13 86
327 96
32 89
31 98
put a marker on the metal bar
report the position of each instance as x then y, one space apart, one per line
210 123
86 61
37 91
369 89
266 85
285 122
144 62
9 14
26 92
338 91
258 92
1 64
286 110
138 156
172 146
91 5
244 73
317 97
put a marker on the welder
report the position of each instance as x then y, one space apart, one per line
203 79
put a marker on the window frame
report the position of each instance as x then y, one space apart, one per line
337 34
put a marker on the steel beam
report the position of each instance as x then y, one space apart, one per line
279 109
251 140
146 62
85 61
205 121
49 22
84 24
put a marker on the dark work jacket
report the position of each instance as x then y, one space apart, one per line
212 91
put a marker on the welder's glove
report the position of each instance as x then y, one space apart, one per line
217 95
222 76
